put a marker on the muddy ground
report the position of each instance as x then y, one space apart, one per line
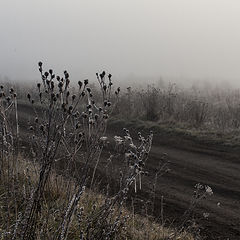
193 162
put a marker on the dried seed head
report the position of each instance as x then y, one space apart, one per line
80 84
66 74
86 81
102 75
88 89
208 190
40 64
73 97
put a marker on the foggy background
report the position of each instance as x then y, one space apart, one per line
132 39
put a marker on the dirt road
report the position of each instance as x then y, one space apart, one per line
191 162
189 168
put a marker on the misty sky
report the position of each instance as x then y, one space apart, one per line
141 38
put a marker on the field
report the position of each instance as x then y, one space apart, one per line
168 180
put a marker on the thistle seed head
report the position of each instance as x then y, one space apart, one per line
80 84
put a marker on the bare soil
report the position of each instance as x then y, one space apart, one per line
193 162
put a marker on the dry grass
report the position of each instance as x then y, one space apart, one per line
40 201
202 108
56 193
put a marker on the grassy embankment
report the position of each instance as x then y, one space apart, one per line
55 194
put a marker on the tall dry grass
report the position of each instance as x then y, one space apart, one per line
201 108
48 191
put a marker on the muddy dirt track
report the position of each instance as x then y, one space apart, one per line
192 162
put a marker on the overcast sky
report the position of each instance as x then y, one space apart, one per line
141 38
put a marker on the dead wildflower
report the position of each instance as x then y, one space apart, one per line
209 190
67 136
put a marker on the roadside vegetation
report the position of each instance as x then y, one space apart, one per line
205 113
208 114
201 108
49 186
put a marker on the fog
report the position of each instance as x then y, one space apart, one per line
132 39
